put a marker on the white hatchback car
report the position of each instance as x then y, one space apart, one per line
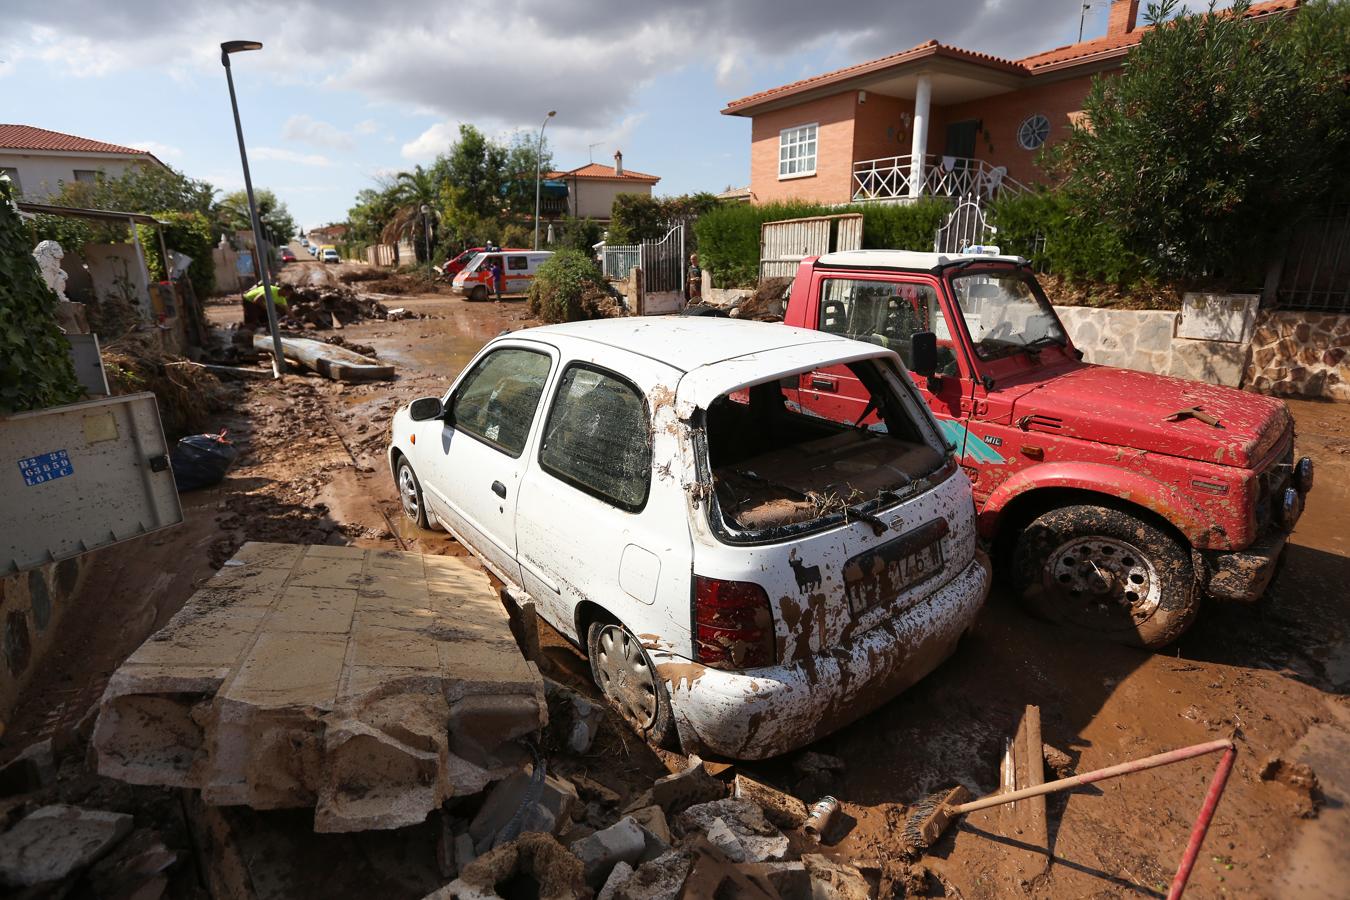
743 576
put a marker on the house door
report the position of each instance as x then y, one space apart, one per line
961 138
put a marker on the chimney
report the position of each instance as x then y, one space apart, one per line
1124 14
618 162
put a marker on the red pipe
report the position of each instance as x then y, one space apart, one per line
1202 821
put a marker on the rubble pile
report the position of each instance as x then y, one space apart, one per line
766 304
371 685
331 305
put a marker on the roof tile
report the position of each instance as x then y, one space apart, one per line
596 170
27 137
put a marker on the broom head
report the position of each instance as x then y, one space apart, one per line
930 817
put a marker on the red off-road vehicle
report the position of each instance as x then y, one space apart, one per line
1114 500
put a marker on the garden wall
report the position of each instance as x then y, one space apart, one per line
1301 354
32 605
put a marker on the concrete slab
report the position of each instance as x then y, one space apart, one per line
370 684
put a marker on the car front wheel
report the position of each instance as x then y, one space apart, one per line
410 494
622 670
478 294
1108 573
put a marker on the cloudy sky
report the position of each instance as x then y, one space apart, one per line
347 90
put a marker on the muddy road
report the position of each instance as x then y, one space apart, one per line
313 470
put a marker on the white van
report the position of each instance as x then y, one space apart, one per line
517 269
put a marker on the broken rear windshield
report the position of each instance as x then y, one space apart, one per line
784 455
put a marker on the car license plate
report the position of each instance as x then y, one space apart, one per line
884 573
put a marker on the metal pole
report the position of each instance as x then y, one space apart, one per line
278 361
538 161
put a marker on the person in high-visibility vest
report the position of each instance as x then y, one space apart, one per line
255 307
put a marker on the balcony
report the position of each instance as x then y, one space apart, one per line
889 180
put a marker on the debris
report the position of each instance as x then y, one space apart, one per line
618 876
538 858
624 841
585 723
56 841
675 793
1058 760
134 868
713 874
821 817
782 809
329 360
757 839
662 878
653 818
34 768
555 802
832 880
201 460
334 677
590 789
395 315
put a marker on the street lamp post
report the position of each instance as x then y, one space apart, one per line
426 236
538 154
278 360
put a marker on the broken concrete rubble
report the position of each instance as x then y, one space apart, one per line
675 793
56 841
738 828
370 684
831 880
549 810
624 841
536 860
781 809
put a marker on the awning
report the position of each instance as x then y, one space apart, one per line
106 215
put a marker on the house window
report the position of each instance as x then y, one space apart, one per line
13 176
797 151
86 176
1033 132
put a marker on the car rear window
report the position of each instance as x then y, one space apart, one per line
782 463
598 439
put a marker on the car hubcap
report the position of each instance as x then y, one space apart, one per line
407 492
1099 579
622 670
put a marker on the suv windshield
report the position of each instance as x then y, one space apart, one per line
1005 312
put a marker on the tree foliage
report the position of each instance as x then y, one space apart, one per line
35 366
233 215
1219 133
638 217
560 284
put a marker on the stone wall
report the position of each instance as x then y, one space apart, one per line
1301 354
32 605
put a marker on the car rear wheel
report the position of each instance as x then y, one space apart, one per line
478 294
1106 572
622 670
410 494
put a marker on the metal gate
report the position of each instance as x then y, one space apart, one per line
618 259
663 267
965 227
784 244
1315 272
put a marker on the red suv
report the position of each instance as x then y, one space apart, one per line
1113 499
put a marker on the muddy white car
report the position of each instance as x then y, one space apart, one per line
743 576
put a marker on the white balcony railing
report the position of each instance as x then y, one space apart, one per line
950 177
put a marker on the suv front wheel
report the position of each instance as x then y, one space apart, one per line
1106 572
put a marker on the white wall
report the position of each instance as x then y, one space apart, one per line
40 175
594 199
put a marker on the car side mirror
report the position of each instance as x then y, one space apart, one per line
923 353
426 408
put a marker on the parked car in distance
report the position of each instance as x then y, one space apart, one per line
304 242
286 254
329 255
1114 499
517 269
742 576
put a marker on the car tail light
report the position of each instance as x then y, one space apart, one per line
733 624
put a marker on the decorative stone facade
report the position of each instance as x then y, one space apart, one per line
1301 354
32 605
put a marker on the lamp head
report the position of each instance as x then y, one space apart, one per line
240 46
552 113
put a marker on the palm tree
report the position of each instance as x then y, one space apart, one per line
412 190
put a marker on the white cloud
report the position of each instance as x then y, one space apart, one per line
367 126
280 154
155 148
436 139
306 129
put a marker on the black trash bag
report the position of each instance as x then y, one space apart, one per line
201 460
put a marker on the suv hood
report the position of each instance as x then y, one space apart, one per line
1131 409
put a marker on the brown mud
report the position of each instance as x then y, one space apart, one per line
1275 673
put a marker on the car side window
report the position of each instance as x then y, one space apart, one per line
517 263
598 439
497 401
886 313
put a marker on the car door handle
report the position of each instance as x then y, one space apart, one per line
824 384
499 489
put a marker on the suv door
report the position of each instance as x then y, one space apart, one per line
476 476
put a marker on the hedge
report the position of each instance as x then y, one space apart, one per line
560 284
728 236
190 234
1075 243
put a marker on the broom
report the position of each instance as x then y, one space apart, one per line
933 815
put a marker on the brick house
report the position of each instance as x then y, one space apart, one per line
39 161
589 191
933 120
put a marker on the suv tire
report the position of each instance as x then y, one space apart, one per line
624 673
1106 572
